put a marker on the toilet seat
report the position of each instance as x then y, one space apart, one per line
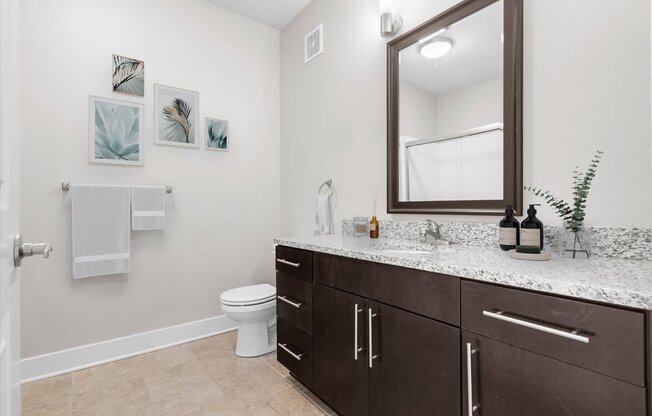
249 295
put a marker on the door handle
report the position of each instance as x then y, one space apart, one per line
22 250
372 357
356 349
469 378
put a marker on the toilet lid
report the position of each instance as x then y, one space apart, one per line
248 295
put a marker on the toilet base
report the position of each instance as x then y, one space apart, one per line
255 339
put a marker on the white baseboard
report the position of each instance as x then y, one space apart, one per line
73 359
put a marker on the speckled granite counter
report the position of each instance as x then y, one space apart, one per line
614 281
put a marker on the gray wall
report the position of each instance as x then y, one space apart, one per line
587 87
224 210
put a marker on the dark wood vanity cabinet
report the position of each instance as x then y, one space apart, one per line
509 381
372 339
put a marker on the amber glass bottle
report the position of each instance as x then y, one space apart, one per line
374 227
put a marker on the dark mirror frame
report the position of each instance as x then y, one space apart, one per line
512 114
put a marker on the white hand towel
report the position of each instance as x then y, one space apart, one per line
100 230
324 216
147 208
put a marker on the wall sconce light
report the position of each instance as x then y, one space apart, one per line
390 23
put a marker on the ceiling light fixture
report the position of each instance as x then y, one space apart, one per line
390 23
435 48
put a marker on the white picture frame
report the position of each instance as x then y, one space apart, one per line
216 134
176 123
313 43
115 131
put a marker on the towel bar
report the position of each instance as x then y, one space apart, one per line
65 187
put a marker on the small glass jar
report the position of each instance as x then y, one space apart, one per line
360 226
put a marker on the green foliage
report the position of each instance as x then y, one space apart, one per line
575 213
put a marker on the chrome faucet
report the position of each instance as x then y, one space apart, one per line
432 234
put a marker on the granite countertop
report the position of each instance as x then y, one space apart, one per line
615 281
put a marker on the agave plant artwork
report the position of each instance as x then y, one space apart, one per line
176 123
573 213
217 134
128 75
117 134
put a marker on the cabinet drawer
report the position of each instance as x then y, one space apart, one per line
294 262
429 294
295 352
600 338
294 301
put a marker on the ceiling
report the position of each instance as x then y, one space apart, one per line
477 55
274 13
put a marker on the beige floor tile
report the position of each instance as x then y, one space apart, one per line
57 408
107 376
226 364
272 361
211 345
259 408
171 380
130 399
291 402
206 400
314 399
168 357
46 391
253 386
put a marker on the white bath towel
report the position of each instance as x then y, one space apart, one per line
100 230
147 208
324 215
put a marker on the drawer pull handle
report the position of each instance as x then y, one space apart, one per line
289 263
356 349
289 302
469 378
286 349
564 334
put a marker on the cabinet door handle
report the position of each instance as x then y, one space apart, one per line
289 302
289 263
356 349
469 379
372 357
286 349
500 315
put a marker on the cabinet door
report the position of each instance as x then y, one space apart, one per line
339 379
510 381
416 369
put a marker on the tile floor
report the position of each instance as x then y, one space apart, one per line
201 378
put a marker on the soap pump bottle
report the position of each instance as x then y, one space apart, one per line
508 233
532 229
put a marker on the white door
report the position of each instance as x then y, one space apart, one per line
9 225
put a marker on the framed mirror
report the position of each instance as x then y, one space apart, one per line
454 112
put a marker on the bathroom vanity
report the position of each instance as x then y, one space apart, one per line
463 330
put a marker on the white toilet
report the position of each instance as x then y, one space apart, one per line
254 309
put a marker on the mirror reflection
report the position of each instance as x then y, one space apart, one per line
451 112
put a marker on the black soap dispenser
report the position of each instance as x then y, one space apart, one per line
532 229
508 233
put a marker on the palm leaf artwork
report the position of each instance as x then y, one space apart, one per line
573 214
117 131
177 114
217 134
128 75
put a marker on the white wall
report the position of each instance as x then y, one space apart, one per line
224 210
587 87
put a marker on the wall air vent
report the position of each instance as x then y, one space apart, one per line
314 43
